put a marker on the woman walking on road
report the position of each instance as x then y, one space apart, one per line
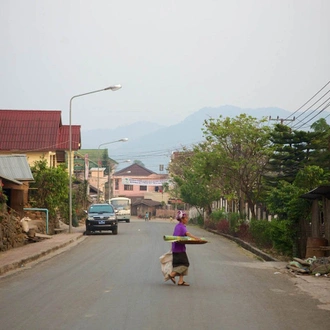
180 259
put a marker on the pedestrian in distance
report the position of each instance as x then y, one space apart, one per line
146 217
180 259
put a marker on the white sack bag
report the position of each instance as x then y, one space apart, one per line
166 264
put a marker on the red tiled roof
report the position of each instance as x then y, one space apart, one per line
35 130
63 137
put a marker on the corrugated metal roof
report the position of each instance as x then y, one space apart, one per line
15 167
11 180
36 130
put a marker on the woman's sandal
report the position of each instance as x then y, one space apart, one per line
184 284
171 278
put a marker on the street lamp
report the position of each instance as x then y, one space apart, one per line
112 88
98 164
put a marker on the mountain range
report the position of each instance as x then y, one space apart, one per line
153 144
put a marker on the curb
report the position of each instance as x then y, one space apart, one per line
43 252
246 246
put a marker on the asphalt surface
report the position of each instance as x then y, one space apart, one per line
19 257
22 257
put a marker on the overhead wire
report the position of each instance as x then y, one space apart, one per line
165 153
311 113
309 99
160 151
311 107
301 126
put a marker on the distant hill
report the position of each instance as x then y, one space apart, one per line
153 144
93 138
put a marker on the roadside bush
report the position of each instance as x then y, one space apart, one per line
218 215
235 221
275 235
223 226
209 224
197 221
200 221
244 233
260 232
228 223
215 217
282 236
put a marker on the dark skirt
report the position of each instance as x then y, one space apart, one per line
180 259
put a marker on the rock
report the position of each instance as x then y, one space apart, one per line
321 269
31 233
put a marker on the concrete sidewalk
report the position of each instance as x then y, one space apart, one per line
18 257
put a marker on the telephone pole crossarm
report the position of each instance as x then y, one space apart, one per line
282 120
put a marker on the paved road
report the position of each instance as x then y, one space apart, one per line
115 282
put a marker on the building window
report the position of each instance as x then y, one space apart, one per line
116 184
52 161
143 188
128 187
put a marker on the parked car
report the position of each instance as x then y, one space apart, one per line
101 217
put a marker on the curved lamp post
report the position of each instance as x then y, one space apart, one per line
111 88
98 164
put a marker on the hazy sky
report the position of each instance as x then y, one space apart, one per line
171 57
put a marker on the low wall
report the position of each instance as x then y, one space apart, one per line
160 213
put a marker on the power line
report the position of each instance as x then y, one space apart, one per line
312 106
316 114
310 99
311 114
158 151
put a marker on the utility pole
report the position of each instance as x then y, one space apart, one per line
282 120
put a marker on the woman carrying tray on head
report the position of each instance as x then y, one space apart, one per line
180 258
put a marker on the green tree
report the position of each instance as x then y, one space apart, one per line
285 201
310 177
81 197
240 149
293 150
195 183
138 162
295 212
321 144
280 199
50 189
